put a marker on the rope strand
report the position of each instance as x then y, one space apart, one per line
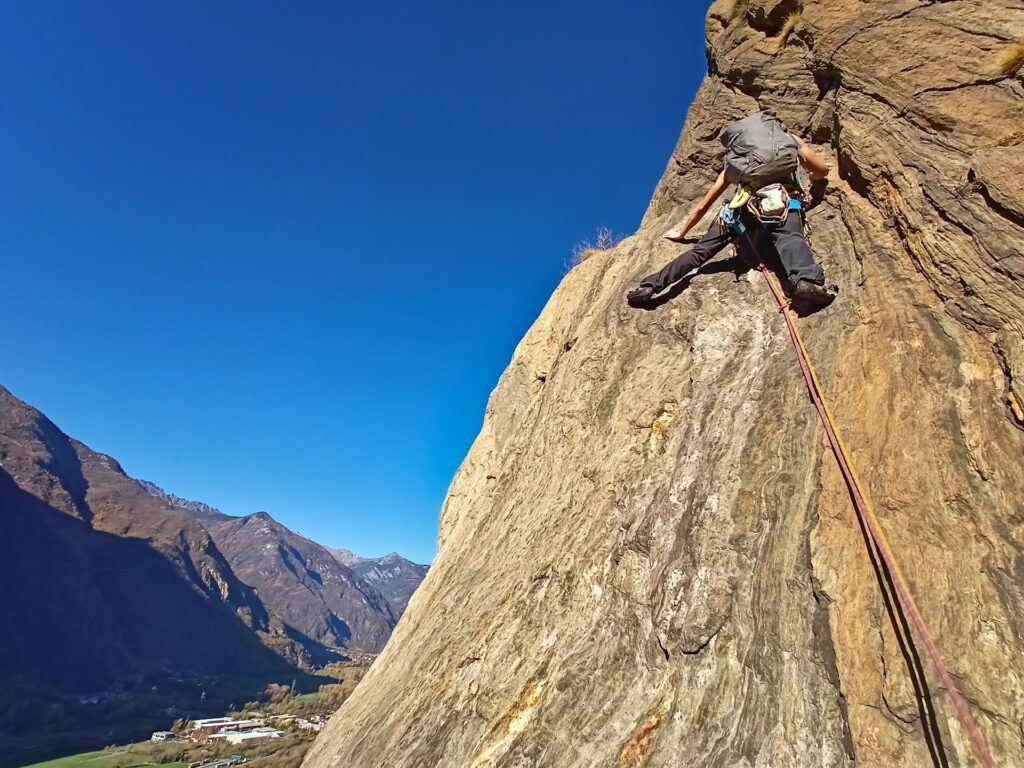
870 521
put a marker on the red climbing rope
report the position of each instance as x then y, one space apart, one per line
871 524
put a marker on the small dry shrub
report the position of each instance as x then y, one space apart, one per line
735 10
1010 59
1010 138
285 752
789 26
277 692
330 697
604 240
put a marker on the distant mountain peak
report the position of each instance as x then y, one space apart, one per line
345 556
396 577
390 579
305 584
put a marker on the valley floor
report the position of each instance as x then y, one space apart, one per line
115 758
286 752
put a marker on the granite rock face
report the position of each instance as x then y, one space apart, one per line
648 556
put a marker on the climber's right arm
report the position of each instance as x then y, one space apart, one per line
701 208
815 164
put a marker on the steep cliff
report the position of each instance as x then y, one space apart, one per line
648 556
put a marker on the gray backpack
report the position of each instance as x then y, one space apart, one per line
760 150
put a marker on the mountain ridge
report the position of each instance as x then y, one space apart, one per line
201 511
302 582
60 498
136 575
393 575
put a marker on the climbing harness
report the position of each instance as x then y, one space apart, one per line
768 205
870 521
771 204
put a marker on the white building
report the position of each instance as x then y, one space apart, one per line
162 736
216 725
211 724
241 725
249 738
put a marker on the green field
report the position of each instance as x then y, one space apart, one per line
102 759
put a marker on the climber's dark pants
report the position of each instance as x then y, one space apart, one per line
785 242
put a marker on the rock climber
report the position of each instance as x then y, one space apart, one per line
764 217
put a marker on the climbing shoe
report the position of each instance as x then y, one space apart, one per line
811 296
640 296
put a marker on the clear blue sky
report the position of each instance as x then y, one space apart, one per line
275 255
